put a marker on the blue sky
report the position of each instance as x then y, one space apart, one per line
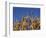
18 12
